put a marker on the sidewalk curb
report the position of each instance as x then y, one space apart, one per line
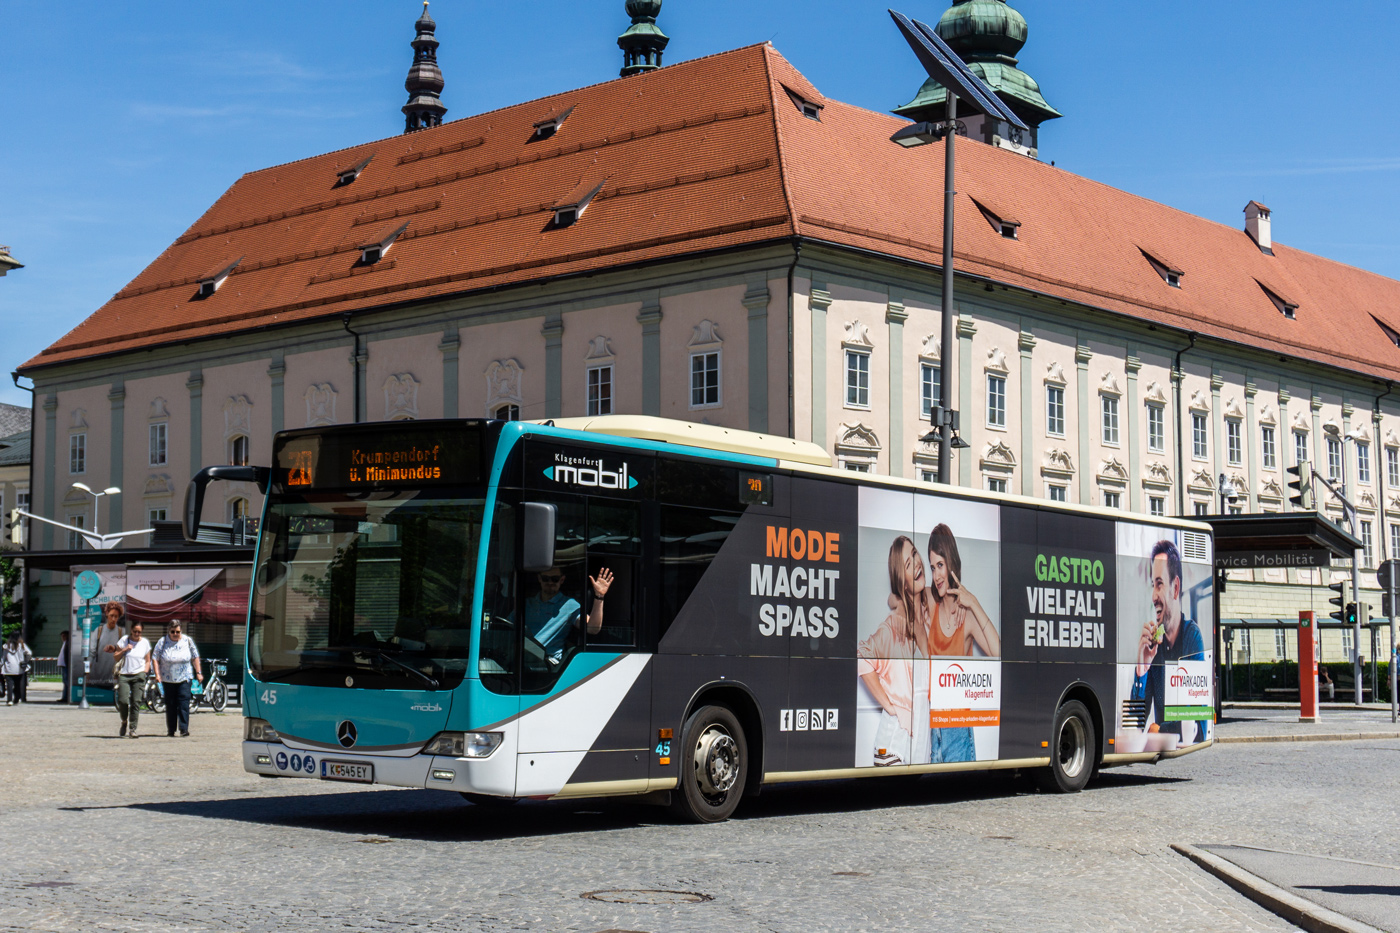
1309 737
1296 910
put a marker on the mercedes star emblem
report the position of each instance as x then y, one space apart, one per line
345 732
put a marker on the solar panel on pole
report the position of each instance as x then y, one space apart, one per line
944 66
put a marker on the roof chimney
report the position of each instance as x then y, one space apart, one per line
424 82
1257 225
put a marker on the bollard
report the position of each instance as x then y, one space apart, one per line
1307 666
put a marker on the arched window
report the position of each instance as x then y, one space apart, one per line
507 413
237 509
238 450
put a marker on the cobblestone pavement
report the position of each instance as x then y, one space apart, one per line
166 834
1240 722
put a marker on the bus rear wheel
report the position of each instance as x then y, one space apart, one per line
714 757
1073 751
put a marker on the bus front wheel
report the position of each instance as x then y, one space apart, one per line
714 758
1072 751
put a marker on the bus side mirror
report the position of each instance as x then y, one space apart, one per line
194 494
539 536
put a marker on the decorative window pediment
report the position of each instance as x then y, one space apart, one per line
1201 482
1366 501
1055 375
705 336
1362 432
996 361
599 350
1393 504
75 496
1390 439
1301 425
503 382
857 335
926 453
998 457
1240 483
158 484
1112 473
1199 401
1157 475
857 439
1057 463
77 421
932 349
320 404
1109 384
1271 490
238 416
1267 415
400 397
160 411
1233 409
1154 394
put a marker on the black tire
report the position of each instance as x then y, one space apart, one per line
489 802
217 693
1073 751
155 701
714 759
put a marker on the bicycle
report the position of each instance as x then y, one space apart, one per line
213 692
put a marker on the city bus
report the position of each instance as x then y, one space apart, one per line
685 613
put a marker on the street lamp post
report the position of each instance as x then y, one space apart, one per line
97 500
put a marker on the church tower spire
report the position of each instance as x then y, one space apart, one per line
424 82
643 42
987 34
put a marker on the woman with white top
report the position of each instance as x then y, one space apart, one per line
173 657
132 655
15 661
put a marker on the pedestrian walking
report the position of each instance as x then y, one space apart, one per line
63 643
176 660
15 662
133 659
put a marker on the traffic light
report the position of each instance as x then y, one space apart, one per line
1365 611
1352 611
1340 600
1300 492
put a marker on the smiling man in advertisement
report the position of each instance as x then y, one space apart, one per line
1171 656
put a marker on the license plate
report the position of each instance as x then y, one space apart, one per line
356 771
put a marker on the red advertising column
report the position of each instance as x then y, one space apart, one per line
1307 666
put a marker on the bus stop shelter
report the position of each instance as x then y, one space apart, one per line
1272 540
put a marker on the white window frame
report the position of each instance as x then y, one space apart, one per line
1268 446
1111 498
857 391
996 484
1200 508
1395 539
1368 545
75 540
1108 426
996 401
77 454
1348 642
1300 447
1280 643
1392 467
1363 462
158 443
1156 429
704 389
1057 492
596 379
1055 411
857 465
930 387
507 411
234 456
1334 459
1200 436
1157 506
156 515
1234 442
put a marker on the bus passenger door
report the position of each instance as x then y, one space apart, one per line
587 690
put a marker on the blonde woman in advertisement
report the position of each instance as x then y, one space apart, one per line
957 621
893 662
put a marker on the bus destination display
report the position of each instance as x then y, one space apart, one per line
381 460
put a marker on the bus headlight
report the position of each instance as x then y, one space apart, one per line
260 730
463 744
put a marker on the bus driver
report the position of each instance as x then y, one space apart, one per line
551 615
1166 638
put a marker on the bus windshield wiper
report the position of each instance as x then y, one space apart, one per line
308 668
386 656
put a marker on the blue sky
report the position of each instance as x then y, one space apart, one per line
124 122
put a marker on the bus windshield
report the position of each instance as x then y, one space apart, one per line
366 590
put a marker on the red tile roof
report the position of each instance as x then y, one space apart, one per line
702 155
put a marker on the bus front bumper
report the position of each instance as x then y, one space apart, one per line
430 771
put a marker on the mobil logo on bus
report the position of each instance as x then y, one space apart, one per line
592 474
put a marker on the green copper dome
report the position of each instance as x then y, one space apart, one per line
987 34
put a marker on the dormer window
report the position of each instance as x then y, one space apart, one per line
547 127
1170 274
808 108
210 284
348 175
1391 334
1008 227
373 252
1288 309
568 211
